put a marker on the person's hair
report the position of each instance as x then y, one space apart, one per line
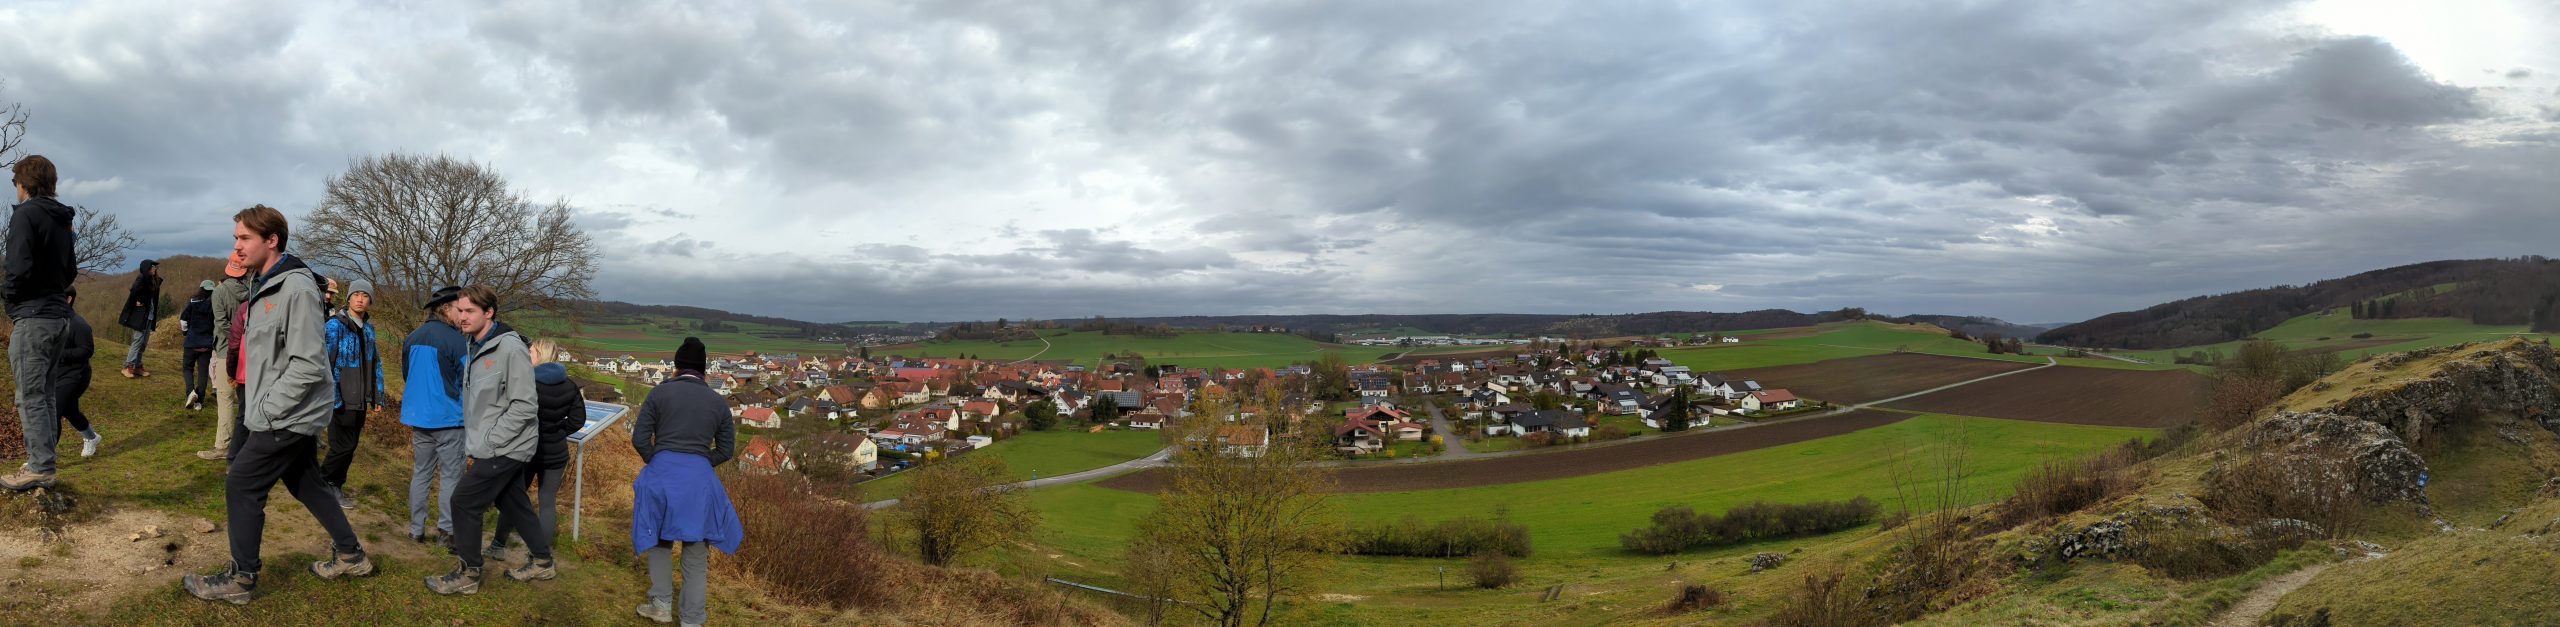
264 221
483 296
36 174
545 350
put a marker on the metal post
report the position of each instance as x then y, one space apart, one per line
578 496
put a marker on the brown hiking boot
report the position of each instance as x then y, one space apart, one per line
128 372
533 570
236 587
343 564
463 580
24 480
212 455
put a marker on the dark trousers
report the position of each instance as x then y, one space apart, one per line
501 482
346 428
198 371
259 461
67 402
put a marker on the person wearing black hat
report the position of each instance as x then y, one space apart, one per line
682 431
195 322
431 406
141 314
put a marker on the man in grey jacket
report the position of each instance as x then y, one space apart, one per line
498 411
285 407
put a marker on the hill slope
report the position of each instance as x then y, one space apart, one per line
2483 291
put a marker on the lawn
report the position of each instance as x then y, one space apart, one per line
1842 340
1202 350
1046 453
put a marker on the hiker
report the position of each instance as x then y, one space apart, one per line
356 364
196 323
141 314
71 374
560 409
683 430
39 270
498 414
432 408
228 294
284 408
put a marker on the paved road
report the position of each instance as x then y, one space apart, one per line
1456 442
1149 461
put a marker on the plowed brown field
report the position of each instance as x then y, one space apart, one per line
2084 396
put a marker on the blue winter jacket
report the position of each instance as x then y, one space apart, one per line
354 361
435 354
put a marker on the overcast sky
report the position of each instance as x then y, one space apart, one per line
2038 160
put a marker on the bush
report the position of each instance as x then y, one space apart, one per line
2193 552
2062 487
1677 528
1411 537
2313 486
1536 440
1492 569
2362 336
1825 601
801 549
1610 432
1694 597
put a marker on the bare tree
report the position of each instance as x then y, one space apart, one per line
1244 531
411 223
13 129
99 243
963 505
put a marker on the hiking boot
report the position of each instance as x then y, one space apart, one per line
343 564
463 580
24 480
210 455
89 444
128 372
497 546
232 586
142 371
533 570
658 611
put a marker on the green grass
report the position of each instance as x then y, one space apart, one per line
1843 340
1201 350
1048 453
653 337
2307 331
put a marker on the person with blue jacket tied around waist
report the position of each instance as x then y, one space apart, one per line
432 408
682 431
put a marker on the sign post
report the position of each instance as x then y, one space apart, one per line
599 416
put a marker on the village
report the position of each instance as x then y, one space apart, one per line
878 415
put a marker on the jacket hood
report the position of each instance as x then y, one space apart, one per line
551 373
52 208
288 264
148 264
496 330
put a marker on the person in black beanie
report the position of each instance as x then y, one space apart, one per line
683 430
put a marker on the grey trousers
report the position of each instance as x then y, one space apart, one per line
695 608
33 347
133 354
437 455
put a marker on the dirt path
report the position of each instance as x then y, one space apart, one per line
2261 600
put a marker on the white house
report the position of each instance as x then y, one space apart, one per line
1770 400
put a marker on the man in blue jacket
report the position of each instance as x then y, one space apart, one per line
357 366
432 407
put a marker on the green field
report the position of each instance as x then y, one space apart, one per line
658 337
2338 328
1202 350
1047 453
1842 340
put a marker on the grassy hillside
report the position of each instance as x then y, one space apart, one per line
1044 454
2335 330
1203 350
652 337
1841 340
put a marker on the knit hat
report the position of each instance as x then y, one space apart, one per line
691 356
238 268
359 286
443 295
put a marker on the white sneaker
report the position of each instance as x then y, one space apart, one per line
89 445
193 398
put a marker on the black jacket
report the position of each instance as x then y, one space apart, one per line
39 265
142 301
71 369
685 416
559 410
197 321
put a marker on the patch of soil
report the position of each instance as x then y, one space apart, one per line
2084 396
1865 379
1415 358
1562 463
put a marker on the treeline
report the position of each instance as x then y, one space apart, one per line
2484 291
609 311
1458 537
1000 330
1122 327
1677 528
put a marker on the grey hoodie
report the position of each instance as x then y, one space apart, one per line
286 353
497 397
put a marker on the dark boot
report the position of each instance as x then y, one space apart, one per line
463 580
234 586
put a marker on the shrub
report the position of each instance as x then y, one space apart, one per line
1492 569
1825 601
1538 439
1694 597
2061 487
801 549
1611 432
2194 552
2362 336
2313 486
1449 538
1677 528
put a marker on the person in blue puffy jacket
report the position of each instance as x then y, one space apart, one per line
432 408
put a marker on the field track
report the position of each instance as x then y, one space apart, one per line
2082 396
1863 379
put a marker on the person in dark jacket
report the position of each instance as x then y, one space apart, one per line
560 409
141 314
682 431
356 364
71 376
39 269
228 293
196 323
